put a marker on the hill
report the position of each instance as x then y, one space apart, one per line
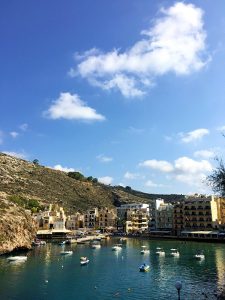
26 186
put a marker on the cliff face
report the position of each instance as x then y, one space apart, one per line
17 229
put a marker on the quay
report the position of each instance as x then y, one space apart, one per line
64 234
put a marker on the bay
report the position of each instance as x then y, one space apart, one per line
115 275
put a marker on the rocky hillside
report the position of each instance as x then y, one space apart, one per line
17 229
28 186
20 177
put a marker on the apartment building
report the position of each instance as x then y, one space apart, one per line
221 213
53 217
164 217
136 220
107 218
91 218
75 221
133 217
197 213
153 208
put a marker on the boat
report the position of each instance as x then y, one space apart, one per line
174 252
66 252
123 240
160 251
117 247
144 250
144 268
38 242
95 245
17 258
199 256
62 243
84 260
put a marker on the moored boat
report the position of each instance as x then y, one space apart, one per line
144 250
174 252
66 252
84 260
117 247
95 245
144 268
17 258
199 256
160 251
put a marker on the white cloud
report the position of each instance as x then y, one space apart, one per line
204 153
184 169
129 175
104 159
150 183
106 180
14 134
175 43
221 128
23 127
160 165
134 130
194 135
186 165
64 169
71 107
16 154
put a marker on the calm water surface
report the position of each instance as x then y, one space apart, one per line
115 275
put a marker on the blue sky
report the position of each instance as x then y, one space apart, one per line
131 92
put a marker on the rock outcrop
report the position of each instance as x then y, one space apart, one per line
17 229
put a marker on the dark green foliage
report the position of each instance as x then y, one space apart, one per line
95 180
128 188
36 161
90 178
31 204
217 178
76 175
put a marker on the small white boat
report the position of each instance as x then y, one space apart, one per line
160 251
17 258
117 247
199 256
123 240
144 250
174 252
84 260
66 252
144 268
95 245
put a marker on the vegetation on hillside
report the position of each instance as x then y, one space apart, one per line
33 185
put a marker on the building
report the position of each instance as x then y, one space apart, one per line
153 207
91 218
198 216
221 213
178 223
200 213
107 218
137 220
75 221
53 217
164 217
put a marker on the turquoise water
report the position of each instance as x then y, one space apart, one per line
115 275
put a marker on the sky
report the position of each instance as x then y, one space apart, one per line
131 92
